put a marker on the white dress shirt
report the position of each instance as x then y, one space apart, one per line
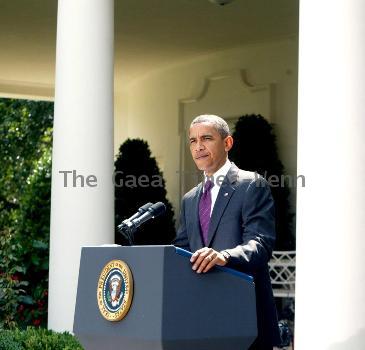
217 179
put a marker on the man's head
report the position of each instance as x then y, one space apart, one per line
210 141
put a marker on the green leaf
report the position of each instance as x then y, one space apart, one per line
19 269
40 245
26 299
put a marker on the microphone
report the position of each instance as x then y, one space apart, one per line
129 227
154 211
140 211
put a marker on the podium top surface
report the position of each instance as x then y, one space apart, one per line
246 277
182 252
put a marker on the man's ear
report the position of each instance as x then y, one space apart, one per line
228 143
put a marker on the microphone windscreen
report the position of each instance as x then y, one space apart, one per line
157 209
145 207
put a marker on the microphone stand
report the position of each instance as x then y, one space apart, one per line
127 233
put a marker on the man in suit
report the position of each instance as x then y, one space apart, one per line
228 220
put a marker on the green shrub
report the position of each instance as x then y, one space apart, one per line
37 339
134 161
25 192
8 341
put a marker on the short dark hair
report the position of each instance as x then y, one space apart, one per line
219 123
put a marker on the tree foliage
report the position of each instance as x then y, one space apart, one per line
138 180
25 189
255 150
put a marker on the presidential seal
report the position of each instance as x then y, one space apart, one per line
115 290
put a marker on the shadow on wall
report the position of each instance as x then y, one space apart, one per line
356 342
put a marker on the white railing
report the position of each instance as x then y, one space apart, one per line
282 273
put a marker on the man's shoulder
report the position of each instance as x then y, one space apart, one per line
245 177
240 175
192 192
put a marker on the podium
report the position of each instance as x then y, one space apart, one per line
172 307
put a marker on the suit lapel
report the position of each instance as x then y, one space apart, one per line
224 195
197 241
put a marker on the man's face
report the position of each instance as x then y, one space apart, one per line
208 149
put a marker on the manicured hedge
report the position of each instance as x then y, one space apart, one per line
37 339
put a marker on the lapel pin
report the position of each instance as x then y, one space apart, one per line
226 194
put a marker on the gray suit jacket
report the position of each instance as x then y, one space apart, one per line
243 224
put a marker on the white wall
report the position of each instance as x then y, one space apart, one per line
150 104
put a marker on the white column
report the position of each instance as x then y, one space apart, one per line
83 142
330 288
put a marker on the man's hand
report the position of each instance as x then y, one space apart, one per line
205 258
